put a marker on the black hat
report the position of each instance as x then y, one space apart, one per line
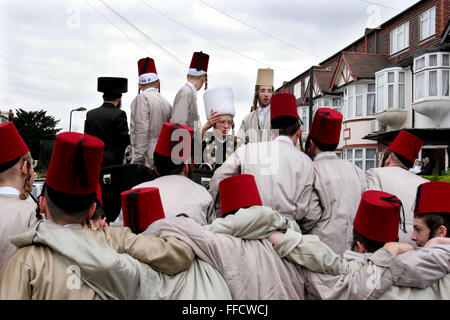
112 85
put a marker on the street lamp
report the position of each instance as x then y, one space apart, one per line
78 109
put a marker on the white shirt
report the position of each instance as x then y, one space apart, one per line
262 114
324 154
9 190
284 138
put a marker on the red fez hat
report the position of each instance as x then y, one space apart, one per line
406 145
432 197
75 164
283 110
99 195
326 126
175 137
141 207
199 64
11 143
378 216
238 192
147 70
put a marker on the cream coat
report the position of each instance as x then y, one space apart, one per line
16 215
37 272
284 176
250 130
401 183
179 195
184 109
119 276
251 268
149 110
339 185
418 274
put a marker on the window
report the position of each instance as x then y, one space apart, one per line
432 83
390 84
304 116
351 92
445 82
400 38
431 77
326 102
401 90
363 158
380 91
370 99
428 23
419 85
298 90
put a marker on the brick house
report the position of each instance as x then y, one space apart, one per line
394 77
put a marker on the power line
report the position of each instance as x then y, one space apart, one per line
131 39
143 33
258 30
213 41
380 5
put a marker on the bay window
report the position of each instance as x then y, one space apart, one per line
363 158
359 100
431 75
390 84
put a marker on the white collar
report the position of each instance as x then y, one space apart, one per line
72 224
325 154
192 87
284 138
263 110
150 89
9 191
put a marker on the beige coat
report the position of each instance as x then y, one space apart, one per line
149 110
250 130
339 185
15 216
284 176
401 183
184 109
37 272
116 275
418 274
368 276
179 195
251 268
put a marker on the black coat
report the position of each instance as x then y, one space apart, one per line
109 124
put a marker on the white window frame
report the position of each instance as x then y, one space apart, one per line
298 90
400 31
304 116
383 87
363 160
428 18
350 98
425 72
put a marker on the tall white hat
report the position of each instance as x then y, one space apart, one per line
220 99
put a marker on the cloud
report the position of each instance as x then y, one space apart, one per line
55 50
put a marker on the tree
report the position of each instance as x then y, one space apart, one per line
35 126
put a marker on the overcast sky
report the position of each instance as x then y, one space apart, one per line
51 52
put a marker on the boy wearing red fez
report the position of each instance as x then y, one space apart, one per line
37 272
356 275
339 183
432 214
179 193
185 109
108 122
394 177
16 183
149 110
284 175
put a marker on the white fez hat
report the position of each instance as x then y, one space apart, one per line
220 99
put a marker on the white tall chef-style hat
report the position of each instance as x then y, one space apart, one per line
220 99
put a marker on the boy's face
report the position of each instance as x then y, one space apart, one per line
421 233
